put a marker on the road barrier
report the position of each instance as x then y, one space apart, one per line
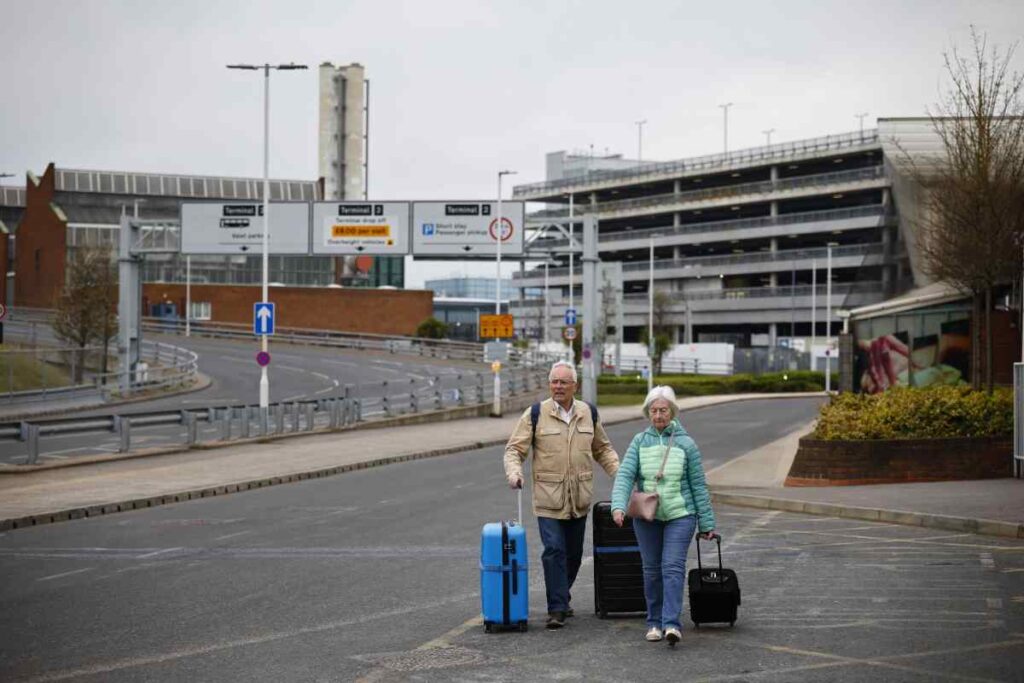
357 403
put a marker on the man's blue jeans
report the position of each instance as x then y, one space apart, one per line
563 552
663 547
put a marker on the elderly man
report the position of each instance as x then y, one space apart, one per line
566 438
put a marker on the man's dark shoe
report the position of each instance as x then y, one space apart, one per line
555 620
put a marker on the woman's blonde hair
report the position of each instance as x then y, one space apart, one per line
663 393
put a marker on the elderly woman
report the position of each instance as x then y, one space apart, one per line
683 505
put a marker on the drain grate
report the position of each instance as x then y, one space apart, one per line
424 660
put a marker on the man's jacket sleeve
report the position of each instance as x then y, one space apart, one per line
518 446
603 451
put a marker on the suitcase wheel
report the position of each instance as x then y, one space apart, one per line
731 623
487 627
603 614
523 627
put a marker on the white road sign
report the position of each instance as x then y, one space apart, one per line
237 228
361 228
466 228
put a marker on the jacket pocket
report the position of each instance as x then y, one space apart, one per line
584 489
548 490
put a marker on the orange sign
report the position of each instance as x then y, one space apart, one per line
496 326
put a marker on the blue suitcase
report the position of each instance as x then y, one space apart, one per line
504 584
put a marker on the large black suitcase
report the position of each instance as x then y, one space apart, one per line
714 592
618 571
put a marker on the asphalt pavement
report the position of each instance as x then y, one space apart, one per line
372 576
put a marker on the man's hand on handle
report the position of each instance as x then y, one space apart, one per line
515 481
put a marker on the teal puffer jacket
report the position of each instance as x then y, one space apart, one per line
682 490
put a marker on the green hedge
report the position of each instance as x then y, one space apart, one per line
704 385
909 413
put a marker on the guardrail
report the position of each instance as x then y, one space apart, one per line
444 349
668 231
720 192
777 151
357 403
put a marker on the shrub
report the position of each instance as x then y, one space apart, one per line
911 413
704 385
432 328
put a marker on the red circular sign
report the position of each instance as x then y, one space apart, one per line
506 229
3 311
263 359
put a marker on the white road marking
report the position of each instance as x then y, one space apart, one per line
157 552
57 576
237 533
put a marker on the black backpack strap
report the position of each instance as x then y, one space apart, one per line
593 412
534 416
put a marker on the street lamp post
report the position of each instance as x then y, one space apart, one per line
264 380
499 234
768 136
572 358
861 118
640 140
725 125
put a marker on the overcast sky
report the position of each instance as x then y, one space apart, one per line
461 89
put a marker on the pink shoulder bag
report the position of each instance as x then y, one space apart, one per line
643 505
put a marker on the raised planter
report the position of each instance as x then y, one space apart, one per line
847 463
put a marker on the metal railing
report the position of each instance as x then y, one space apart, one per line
778 151
731 259
357 403
720 192
444 349
874 210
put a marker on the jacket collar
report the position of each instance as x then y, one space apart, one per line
674 427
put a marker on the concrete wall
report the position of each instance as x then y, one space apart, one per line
373 311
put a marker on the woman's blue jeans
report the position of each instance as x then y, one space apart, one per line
663 548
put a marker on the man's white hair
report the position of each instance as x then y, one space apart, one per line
661 393
562 364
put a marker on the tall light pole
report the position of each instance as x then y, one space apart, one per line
725 125
499 235
571 356
768 136
264 380
861 118
640 140
814 307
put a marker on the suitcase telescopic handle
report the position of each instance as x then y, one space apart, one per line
519 501
700 567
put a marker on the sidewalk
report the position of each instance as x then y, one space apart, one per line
53 495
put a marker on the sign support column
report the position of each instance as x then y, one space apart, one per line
590 262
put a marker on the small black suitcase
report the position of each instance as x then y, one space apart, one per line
714 593
618 570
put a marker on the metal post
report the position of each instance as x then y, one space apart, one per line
828 322
310 419
571 253
264 379
188 296
547 316
725 125
384 401
650 319
814 309
640 140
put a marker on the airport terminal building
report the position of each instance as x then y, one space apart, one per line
741 240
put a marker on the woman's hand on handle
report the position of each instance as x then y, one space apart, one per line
618 516
708 535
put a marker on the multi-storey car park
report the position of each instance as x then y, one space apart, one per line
738 239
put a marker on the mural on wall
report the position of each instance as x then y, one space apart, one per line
941 356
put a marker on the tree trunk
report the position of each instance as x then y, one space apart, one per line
976 342
988 339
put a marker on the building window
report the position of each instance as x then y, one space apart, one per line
202 310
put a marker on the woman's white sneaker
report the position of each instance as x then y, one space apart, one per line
653 634
673 636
